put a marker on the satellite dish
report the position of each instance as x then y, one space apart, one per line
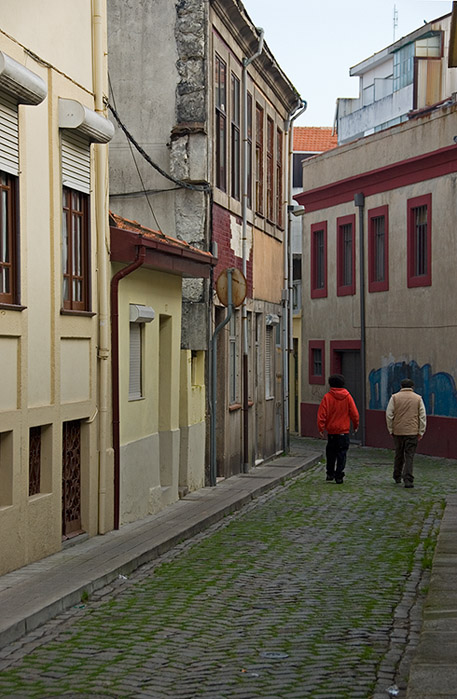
239 287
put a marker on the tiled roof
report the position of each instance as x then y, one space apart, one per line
314 139
127 225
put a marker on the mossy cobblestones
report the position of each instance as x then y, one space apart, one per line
312 590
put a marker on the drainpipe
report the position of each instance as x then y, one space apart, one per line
102 225
138 262
213 454
287 325
359 201
244 312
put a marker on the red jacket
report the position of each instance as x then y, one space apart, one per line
336 411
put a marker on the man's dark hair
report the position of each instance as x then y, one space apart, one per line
336 381
407 383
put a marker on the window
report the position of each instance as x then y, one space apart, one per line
419 225
34 461
8 240
279 202
259 160
269 361
220 132
345 255
319 260
236 143
249 156
270 168
75 250
403 67
136 361
316 362
378 249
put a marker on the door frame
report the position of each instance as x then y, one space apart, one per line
337 347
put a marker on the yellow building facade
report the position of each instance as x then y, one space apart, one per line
55 438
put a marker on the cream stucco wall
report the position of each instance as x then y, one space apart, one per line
49 359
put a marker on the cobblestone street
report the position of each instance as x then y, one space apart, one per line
312 590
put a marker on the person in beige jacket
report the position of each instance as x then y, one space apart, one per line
406 422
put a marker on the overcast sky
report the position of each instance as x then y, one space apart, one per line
316 42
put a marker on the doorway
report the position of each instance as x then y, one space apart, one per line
348 362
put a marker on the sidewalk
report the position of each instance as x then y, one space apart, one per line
35 593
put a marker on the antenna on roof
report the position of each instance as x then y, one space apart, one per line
395 22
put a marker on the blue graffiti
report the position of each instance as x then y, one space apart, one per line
438 390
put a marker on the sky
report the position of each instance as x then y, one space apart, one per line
316 42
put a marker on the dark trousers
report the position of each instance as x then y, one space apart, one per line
337 448
405 448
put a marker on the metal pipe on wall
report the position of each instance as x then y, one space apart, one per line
359 201
244 313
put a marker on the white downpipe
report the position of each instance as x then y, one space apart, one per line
102 225
244 313
287 328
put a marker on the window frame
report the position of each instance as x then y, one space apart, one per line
220 131
414 279
374 284
249 149
343 289
318 292
259 148
279 184
136 368
270 348
11 297
68 211
235 145
270 169
314 378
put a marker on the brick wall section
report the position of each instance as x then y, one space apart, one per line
226 256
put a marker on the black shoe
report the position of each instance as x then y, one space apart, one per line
330 478
409 485
338 480
397 480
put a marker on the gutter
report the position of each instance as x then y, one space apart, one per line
138 262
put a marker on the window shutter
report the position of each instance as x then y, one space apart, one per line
75 162
9 136
135 361
268 360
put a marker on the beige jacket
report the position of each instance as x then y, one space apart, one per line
405 414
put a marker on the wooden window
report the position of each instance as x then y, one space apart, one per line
319 260
378 249
269 362
259 160
8 240
236 142
75 250
346 255
316 361
249 155
279 202
419 225
135 361
270 168
233 360
220 92
34 461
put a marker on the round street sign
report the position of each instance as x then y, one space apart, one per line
239 287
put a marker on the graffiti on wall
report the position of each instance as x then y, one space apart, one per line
438 390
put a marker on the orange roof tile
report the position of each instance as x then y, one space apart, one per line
314 139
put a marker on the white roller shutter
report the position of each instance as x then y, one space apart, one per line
75 162
135 388
9 135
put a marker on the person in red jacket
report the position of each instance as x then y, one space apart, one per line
336 411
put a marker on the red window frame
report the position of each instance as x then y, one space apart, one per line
342 288
9 243
414 278
314 345
338 346
375 284
76 250
318 292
